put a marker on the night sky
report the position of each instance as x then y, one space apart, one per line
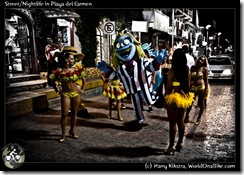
226 21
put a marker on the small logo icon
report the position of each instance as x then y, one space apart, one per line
13 156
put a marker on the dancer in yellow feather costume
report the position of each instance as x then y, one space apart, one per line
181 100
177 98
114 90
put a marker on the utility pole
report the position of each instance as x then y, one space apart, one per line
173 26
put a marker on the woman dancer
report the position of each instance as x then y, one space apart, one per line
68 76
177 98
199 85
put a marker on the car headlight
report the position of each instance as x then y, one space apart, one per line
227 72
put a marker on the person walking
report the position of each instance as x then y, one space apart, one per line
68 77
52 64
151 78
199 85
162 44
190 59
177 98
9 46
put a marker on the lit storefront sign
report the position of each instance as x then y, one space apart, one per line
139 26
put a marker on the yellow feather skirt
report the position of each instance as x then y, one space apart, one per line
114 91
181 101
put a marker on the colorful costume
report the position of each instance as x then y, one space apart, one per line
76 76
159 77
60 76
180 99
80 80
199 75
114 90
81 83
130 65
68 78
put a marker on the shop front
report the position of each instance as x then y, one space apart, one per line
20 50
25 37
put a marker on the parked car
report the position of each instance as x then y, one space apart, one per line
232 58
220 67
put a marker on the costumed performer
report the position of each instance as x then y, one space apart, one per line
67 77
130 65
199 86
114 90
177 98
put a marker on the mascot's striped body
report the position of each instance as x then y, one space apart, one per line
130 65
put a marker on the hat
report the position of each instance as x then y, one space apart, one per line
72 50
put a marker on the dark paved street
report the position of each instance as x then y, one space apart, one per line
102 140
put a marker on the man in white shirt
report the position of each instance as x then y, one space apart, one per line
9 46
190 59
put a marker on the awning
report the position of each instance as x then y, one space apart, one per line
191 25
60 13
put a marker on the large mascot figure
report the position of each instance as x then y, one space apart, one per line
130 65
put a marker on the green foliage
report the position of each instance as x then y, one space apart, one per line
86 31
89 21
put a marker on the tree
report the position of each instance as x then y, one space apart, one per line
90 19
86 31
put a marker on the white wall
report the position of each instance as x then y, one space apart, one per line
77 43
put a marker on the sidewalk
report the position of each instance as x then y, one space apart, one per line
32 96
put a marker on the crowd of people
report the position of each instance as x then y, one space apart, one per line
139 75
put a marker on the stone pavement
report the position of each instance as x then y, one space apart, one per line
102 140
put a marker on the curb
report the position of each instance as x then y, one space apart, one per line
37 100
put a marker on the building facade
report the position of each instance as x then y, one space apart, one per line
28 29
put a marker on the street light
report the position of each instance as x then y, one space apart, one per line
207 27
219 38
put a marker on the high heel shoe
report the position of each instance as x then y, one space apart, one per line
73 135
178 147
170 151
198 122
120 118
63 138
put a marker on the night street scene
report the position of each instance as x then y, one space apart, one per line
121 89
